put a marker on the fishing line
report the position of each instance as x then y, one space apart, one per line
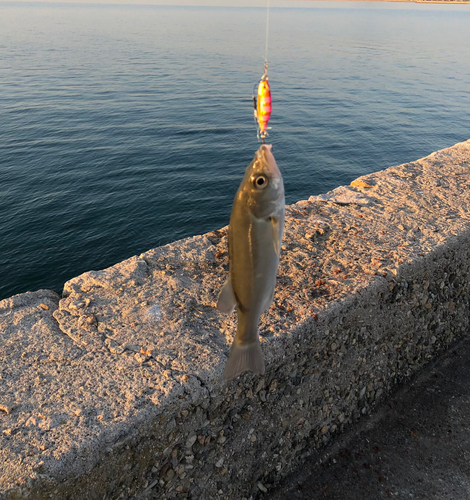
267 31
262 92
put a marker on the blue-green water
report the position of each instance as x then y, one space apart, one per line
125 128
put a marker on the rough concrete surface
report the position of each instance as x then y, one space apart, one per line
415 446
114 391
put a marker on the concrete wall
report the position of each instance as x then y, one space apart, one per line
113 390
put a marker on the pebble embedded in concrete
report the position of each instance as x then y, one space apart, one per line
373 283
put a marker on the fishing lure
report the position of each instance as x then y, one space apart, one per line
262 102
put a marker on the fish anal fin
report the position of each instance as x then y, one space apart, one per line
226 301
268 302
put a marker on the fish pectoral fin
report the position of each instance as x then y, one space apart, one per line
277 236
226 301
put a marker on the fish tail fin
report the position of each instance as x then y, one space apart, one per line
245 357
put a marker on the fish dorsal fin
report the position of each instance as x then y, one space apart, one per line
226 301
277 236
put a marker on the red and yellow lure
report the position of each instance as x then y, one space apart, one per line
263 107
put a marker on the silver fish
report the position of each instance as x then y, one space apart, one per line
255 235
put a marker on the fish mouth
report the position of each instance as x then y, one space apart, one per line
265 154
270 165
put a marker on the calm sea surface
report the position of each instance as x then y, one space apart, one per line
125 128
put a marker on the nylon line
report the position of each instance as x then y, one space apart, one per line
267 29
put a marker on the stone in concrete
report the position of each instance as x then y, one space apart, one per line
416 445
119 392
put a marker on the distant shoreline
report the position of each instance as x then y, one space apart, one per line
445 2
147 4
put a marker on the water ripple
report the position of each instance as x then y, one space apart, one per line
124 128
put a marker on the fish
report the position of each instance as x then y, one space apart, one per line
254 239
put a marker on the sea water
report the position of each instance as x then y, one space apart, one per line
123 128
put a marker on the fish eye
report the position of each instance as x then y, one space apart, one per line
260 182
